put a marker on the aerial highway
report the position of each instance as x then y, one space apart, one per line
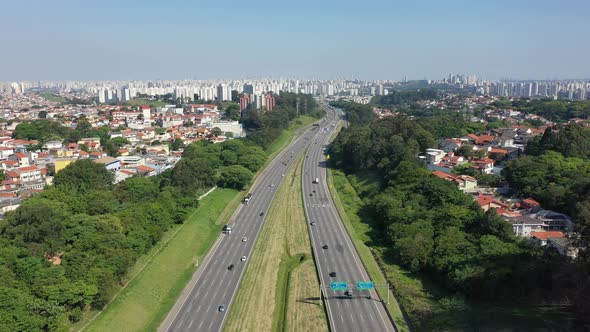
334 252
206 300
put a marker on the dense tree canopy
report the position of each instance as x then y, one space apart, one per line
394 98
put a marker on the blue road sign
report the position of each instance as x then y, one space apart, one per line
365 285
338 285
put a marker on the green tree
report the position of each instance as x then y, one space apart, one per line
235 176
42 114
84 175
177 144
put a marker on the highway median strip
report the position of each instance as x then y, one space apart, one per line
277 281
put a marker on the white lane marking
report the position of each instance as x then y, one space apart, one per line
191 324
208 308
199 328
199 308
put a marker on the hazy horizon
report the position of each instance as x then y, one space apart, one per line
387 40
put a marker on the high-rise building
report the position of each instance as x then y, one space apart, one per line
244 103
380 90
269 101
147 116
249 88
222 93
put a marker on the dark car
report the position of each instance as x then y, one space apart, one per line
333 274
231 267
325 246
221 308
261 214
312 223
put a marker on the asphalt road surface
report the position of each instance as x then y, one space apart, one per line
345 313
213 284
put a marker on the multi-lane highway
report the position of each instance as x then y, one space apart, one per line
214 284
334 252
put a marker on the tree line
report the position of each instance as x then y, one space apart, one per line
395 98
554 110
264 127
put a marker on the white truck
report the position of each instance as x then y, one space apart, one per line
316 180
227 229
247 198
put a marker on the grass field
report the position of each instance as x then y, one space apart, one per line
53 97
146 301
280 283
138 102
348 204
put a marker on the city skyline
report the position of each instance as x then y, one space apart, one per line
374 40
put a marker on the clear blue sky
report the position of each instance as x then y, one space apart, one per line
368 39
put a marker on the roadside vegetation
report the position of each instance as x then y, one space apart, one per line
162 274
450 263
279 290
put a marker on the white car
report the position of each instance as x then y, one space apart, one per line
243 259
244 239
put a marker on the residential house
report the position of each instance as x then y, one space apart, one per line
93 143
131 161
554 220
484 165
146 170
434 156
51 145
97 154
450 144
541 238
5 152
462 181
507 138
524 225
489 202
529 204
480 140
21 158
110 163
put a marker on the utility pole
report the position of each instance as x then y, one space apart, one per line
297 106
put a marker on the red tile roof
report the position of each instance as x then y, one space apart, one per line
547 234
531 202
28 169
498 150
145 169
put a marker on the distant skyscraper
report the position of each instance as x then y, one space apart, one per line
249 89
380 90
222 92
269 101
244 102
